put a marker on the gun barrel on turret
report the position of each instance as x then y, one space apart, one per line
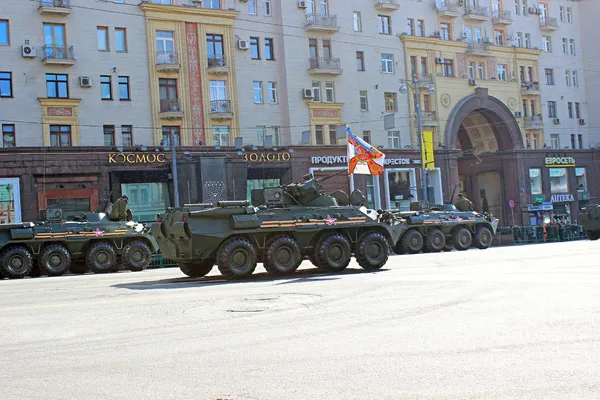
323 179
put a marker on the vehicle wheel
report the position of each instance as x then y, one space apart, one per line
593 235
282 256
236 259
398 248
333 253
372 251
35 272
198 269
462 239
412 241
136 256
483 237
78 268
101 258
54 260
435 241
449 244
16 262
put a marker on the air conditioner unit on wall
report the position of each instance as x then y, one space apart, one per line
518 114
85 81
439 60
28 51
243 44
557 121
308 93
582 121
302 4
473 82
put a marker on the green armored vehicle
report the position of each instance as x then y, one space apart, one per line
443 227
90 241
589 218
283 226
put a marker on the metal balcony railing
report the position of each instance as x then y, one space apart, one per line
428 116
322 20
533 122
477 47
216 60
56 3
530 86
324 63
501 15
220 106
169 105
55 52
167 58
549 22
448 7
478 11
390 2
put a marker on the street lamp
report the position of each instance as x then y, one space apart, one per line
415 85
174 168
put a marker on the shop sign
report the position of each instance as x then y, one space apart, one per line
344 160
136 158
553 162
267 157
325 113
538 198
543 207
562 198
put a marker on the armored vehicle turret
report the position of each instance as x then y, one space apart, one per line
589 218
280 227
88 241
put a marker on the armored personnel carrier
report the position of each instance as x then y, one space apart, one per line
280 227
442 228
589 218
90 241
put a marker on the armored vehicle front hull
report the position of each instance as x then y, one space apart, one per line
589 218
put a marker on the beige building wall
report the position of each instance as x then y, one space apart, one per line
588 14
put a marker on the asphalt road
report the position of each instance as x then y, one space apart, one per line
504 323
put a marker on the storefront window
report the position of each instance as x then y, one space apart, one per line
370 192
558 180
147 200
9 210
69 207
535 180
400 190
581 181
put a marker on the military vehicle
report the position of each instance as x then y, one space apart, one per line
280 227
89 241
589 219
442 228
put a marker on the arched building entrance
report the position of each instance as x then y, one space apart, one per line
486 132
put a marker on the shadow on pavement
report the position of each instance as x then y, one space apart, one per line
305 275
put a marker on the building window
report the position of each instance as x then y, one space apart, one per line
357 22
525 109
165 48
55 41
8 135
6 84
445 31
316 86
124 88
420 28
269 50
57 86
360 61
366 136
216 4
448 68
109 135
127 135
102 32
580 140
385 24
319 134
4 33
565 45
424 71
394 140
60 135
472 70
258 92
555 141
575 79
517 7
332 134
364 102
569 15
573 146
391 102
121 40
254 48
252 7
105 87
570 109
410 26
527 40
559 182
272 88
218 96
329 92
577 111
327 49
499 37
535 180
581 181
166 135
267 11
426 102
572 46
413 65
547 44
273 131
551 109
480 71
549 74
167 89
221 135
214 50
387 63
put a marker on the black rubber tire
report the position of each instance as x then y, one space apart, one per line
593 235
412 241
226 258
462 239
35 272
137 256
78 268
16 262
435 241
449 246
372 251
398 249
282 256
108 261
55 260
197 270
333 262
483 238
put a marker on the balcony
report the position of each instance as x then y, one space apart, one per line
429 118
387 5
217 64
58 55
167 61
476 14
530 88
56 7
548 24
324 66
535 122
478 49
501 17
321 23
220 109
448 10
170 109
